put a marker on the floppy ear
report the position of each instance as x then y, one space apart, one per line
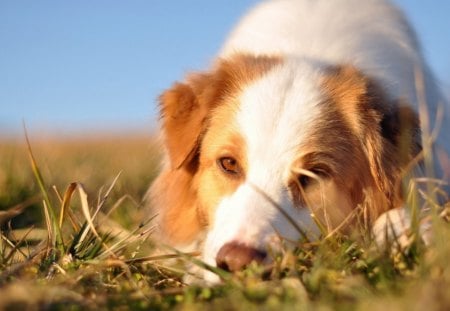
393 140
184 111
388 130
183 116
391 149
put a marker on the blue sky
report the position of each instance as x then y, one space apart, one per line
68 66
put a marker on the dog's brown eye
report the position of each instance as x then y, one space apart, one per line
229 165
304 181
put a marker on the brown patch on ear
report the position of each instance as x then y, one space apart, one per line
186 109
401 127
183 118
388 131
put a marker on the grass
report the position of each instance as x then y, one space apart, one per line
76 236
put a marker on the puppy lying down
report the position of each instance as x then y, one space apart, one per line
313 115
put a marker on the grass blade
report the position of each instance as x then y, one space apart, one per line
86 211
66 201
48 208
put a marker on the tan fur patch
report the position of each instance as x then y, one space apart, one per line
383 135
171 194
222 140
333 152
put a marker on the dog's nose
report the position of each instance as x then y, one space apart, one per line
235 256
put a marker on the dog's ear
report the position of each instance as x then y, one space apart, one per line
389 132
393 140
185 109
183 116
391 146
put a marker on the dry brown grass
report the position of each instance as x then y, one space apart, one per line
93 160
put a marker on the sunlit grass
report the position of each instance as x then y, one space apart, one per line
83 240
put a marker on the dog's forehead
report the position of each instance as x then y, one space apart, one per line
277 111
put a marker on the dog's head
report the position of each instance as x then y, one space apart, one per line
262 149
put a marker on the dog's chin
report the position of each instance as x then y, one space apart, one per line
211 278
200 276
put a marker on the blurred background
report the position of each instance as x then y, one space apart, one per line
73 67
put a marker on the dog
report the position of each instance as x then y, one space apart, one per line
308 120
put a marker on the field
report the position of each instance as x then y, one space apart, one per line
76 235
